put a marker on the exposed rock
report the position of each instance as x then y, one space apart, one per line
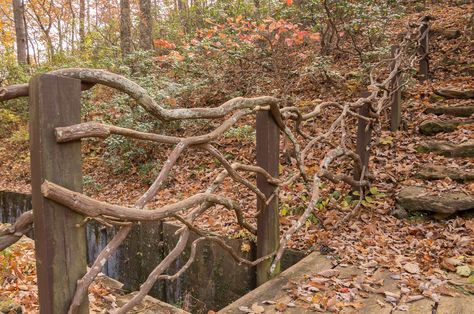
461 111
399 213
435 98
447 149
432 127
441 172
455 94
449 33
420 199
452 33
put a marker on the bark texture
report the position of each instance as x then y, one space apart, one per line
20 31
125 28
10 235
82 18
146 25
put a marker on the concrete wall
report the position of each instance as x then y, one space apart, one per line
213 280
12 205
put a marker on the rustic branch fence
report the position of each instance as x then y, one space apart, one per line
60 208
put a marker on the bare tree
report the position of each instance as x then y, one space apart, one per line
43 15
146 25
20 30
125 28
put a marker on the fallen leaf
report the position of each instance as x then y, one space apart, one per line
281 307
329 273
245 309
380 303
257 309
245 247
412 268
463 270
413 298
392 294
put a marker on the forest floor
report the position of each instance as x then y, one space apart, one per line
420 248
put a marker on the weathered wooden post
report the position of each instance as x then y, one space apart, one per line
268 146
396 99
364 133
60 243
423 50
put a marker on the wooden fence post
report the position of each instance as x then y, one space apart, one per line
60 244
268 147
396 110
364 134
423 50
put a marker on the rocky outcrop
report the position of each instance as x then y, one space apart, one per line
448 202
455 94
447 149
461 111
441 172
432 127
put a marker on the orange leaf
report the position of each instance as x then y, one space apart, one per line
315 36
161 43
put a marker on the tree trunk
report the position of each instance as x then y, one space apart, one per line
73 26
60 35
49 46
472 21
125 28
146 25
28 41
82 17
183 11
20 30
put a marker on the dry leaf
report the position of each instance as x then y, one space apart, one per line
380 303
413 298
281 307
329 273
245 247
245 309
412 268
464 271
257 309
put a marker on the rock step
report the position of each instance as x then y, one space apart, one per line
447 149
461 111
416 198
274 293
432 127
441 172
455 94
274 288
